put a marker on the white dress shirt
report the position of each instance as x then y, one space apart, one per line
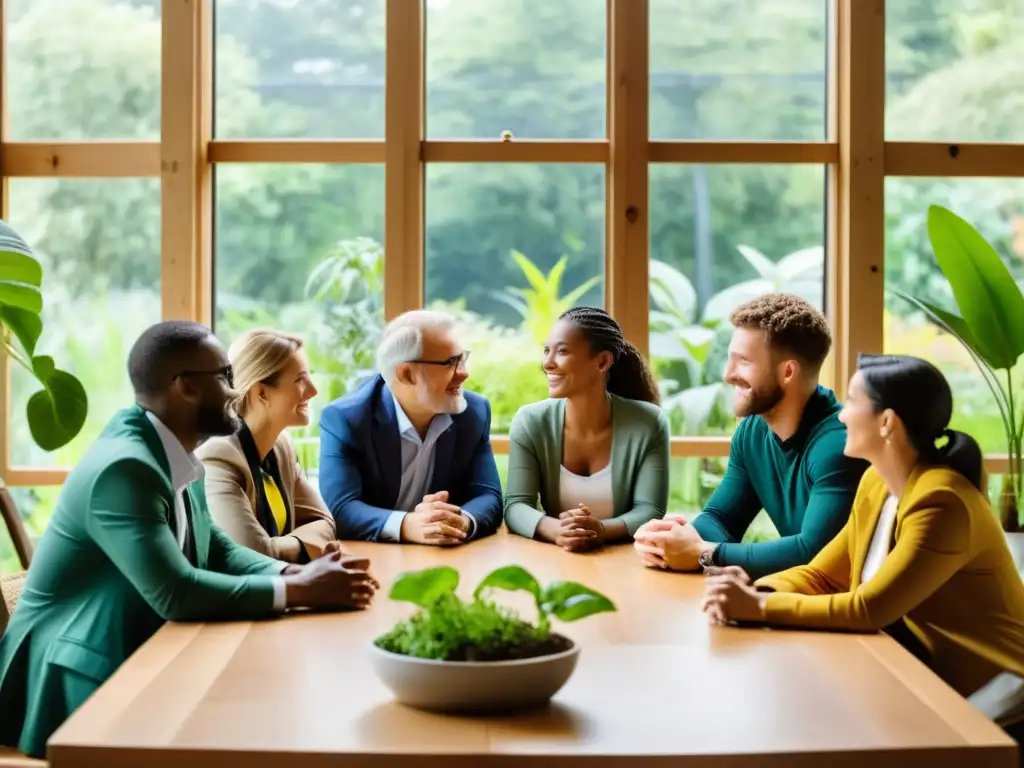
186 469
417 469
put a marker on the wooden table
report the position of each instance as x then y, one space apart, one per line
655 685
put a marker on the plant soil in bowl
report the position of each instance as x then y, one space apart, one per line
476 656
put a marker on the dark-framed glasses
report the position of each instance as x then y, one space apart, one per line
226 373
454 362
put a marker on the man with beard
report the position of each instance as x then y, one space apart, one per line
131 545
407 456
786 455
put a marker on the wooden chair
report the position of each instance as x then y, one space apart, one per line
16 528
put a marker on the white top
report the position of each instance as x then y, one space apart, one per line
879 548
594 491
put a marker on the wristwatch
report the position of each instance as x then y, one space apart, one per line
707 558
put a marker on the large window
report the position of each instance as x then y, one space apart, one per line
338 162
953 70
738 69
532 67
82 69
309 69
720 236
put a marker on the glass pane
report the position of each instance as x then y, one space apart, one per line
533 67
301 70
996 208
498 239
299 248
722 235
738 69
953 70
83 69
99 243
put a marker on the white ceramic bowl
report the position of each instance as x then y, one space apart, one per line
473 686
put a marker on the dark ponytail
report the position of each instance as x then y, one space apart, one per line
629 376
919 394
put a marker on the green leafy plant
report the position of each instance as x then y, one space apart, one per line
451 629
57 412
989 324
541 304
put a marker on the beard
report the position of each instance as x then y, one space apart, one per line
441 402
217 420
760 400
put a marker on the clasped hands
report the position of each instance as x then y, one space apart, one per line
333 580
669 543
435 521
577 530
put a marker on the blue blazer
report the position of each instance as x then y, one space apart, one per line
361 462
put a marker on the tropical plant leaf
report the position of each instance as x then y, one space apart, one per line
570 601
764 266
537 280
57 413
988 298
19 267
426 587
672 291
955 326
512 578
26 326
21 296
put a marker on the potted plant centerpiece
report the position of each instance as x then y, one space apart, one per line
476 655
989 324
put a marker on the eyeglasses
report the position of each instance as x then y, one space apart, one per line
225 373
454 362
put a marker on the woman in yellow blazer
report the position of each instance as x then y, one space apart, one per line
922 555
256 490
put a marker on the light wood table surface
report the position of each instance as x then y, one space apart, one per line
655 686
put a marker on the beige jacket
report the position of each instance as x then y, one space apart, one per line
231 496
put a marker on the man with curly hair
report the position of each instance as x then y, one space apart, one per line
786 455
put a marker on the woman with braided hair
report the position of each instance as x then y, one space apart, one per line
590 464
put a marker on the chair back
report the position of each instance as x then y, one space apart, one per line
16 528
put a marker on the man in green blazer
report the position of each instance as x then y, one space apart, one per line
131 545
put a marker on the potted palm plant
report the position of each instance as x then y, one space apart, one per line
475 655
56 413
989 323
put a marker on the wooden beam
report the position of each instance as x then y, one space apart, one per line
860 200
5 363
81 159
295 151
515 151
928 158
748 152
403 134
186 109
627 245
37 476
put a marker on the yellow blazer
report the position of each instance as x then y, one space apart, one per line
231 497
949 574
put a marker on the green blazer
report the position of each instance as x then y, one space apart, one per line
107 573
640 463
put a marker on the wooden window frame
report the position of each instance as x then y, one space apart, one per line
855 153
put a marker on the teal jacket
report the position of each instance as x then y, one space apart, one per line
640 463
108 572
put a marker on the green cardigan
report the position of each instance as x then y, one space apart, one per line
640 463
107 573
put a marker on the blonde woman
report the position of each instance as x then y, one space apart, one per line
255 488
